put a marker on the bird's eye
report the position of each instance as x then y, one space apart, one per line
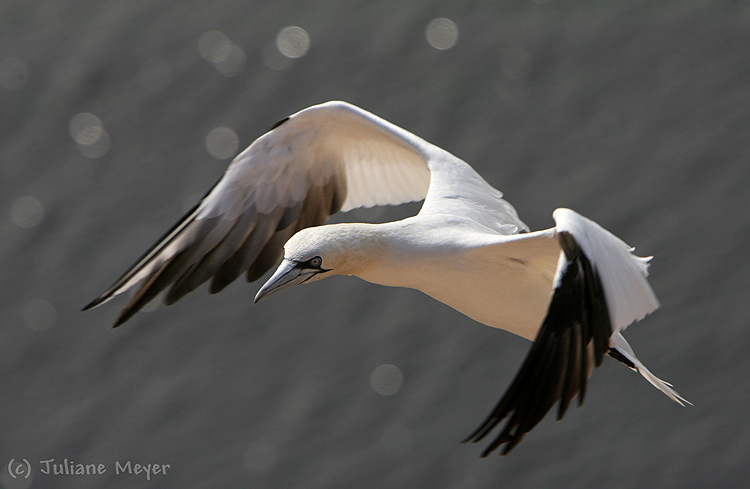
315 262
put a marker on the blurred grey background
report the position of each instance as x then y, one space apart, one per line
115 117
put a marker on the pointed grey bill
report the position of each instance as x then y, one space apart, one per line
289 273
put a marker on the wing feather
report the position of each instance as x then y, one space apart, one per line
623 274
599 288
241 259
209 264
560 360
312 164
270 255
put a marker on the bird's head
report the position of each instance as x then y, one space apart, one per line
319 252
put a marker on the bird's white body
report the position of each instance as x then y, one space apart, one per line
501 283
571 289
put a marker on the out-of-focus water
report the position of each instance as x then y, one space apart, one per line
116 116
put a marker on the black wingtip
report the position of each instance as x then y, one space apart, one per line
505 438
487 426
96 302
572 340
124 316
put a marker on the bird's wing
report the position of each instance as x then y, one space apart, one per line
599 289
323 159
461 194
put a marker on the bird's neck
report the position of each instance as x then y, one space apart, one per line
355 248
386 254
364 250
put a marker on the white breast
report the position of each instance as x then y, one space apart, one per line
506 284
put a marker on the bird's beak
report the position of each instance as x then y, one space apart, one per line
289 273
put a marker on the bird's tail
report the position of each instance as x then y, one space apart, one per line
620 350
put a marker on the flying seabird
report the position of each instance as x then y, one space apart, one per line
571 289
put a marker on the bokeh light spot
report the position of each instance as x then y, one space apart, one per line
13 73
386 379
228 58
293 42
212 46
87 130
97 149
232 60
441 33
27 211
39 315
222 143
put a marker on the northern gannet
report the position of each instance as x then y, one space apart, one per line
571 289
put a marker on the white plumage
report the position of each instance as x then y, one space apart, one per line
571 289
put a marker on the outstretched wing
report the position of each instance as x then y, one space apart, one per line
598 290
323 159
